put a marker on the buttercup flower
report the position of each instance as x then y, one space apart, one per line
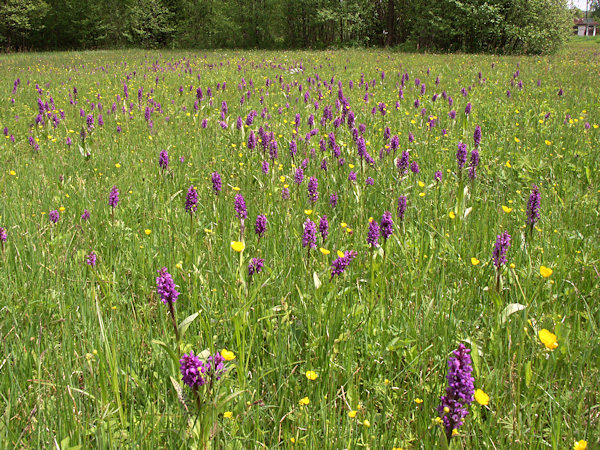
548 339
545 271
482 398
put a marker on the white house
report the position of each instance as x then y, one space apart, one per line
585 27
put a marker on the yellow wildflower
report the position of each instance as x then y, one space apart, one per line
311 375
238 246
545 271
548 339
227 355
482 398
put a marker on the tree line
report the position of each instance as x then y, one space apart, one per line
499 26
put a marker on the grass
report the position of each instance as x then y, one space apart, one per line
89 356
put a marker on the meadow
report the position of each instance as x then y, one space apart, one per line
321 229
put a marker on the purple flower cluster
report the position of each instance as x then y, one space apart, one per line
54 215
240 206
500 249
215 366
261 225
163 160
533 206
196 373
474 162
90 259
3 234
113 197
299 175
216 182
192 370
339 265
461 155
309 237
313 185
255 266
373 235
85 216
477 136
387 225
324 227
191 200
401 207
333 200
402 163
460 390
165 287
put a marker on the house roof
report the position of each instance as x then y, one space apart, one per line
589 22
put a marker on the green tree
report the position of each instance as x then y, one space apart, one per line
19 19
151 23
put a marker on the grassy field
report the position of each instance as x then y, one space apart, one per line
313 357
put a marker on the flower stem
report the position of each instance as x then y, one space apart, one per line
174 321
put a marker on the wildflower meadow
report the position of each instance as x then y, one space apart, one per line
299 249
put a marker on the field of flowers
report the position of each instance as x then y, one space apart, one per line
298 249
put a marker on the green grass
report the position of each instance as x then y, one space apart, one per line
583 41
81 363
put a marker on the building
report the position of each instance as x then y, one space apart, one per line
585 27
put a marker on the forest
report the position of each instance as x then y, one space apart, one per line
502 26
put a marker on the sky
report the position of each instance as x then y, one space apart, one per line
580 4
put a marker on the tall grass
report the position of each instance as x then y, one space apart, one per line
83 359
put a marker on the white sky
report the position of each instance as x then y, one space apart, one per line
579 3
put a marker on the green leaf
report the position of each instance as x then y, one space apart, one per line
316 280
528 373
223 401
467 212
588 175
166 348
475 355
183 326
510 310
